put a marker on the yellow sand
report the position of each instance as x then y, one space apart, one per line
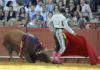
45 66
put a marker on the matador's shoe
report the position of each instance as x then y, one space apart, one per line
55 62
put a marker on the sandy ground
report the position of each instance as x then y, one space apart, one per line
45 66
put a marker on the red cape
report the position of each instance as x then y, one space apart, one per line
78 46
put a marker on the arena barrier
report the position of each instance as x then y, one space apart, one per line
46 37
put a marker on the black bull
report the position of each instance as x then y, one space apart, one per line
31 46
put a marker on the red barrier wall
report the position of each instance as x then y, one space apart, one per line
46 37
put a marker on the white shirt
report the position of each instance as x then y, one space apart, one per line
60 21
38 8
83 11
27 9
44 15
1 3
14 2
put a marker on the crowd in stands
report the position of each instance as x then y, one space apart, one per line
37 13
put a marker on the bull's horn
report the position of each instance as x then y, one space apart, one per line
46 50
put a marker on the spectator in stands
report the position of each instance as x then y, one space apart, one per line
14 2
44 13
50 14
9 3
46 2
17 17
50 6
25 2
1 16
28 7
86 11
34 2
60 5
1 13
54 1
97 18
32 12
12 13
27 17
33 23
1 3
12 23
56 10
72 7
39 16
22 12
78 12
66 12
39 6
18 6
72 21
23 23
6 16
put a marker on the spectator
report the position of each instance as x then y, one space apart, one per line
72 7
1 16
33 23
11 12
9 3
1 3
39 16
18 6
50 6
1 13
56 10
23 23
72 21
14 2
32 12
34 2
6 16
17 17
66 12
25 2
86 11
39 6
78 12
12 23
26 17
28 7
50 14
22 12
61 5
46 2
44 13
97 18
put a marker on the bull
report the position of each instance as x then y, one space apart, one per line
31 51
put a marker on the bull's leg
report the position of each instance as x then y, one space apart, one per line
10 54
8 48
28 58
22 57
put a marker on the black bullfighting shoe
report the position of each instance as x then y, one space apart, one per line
58 62
53 62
